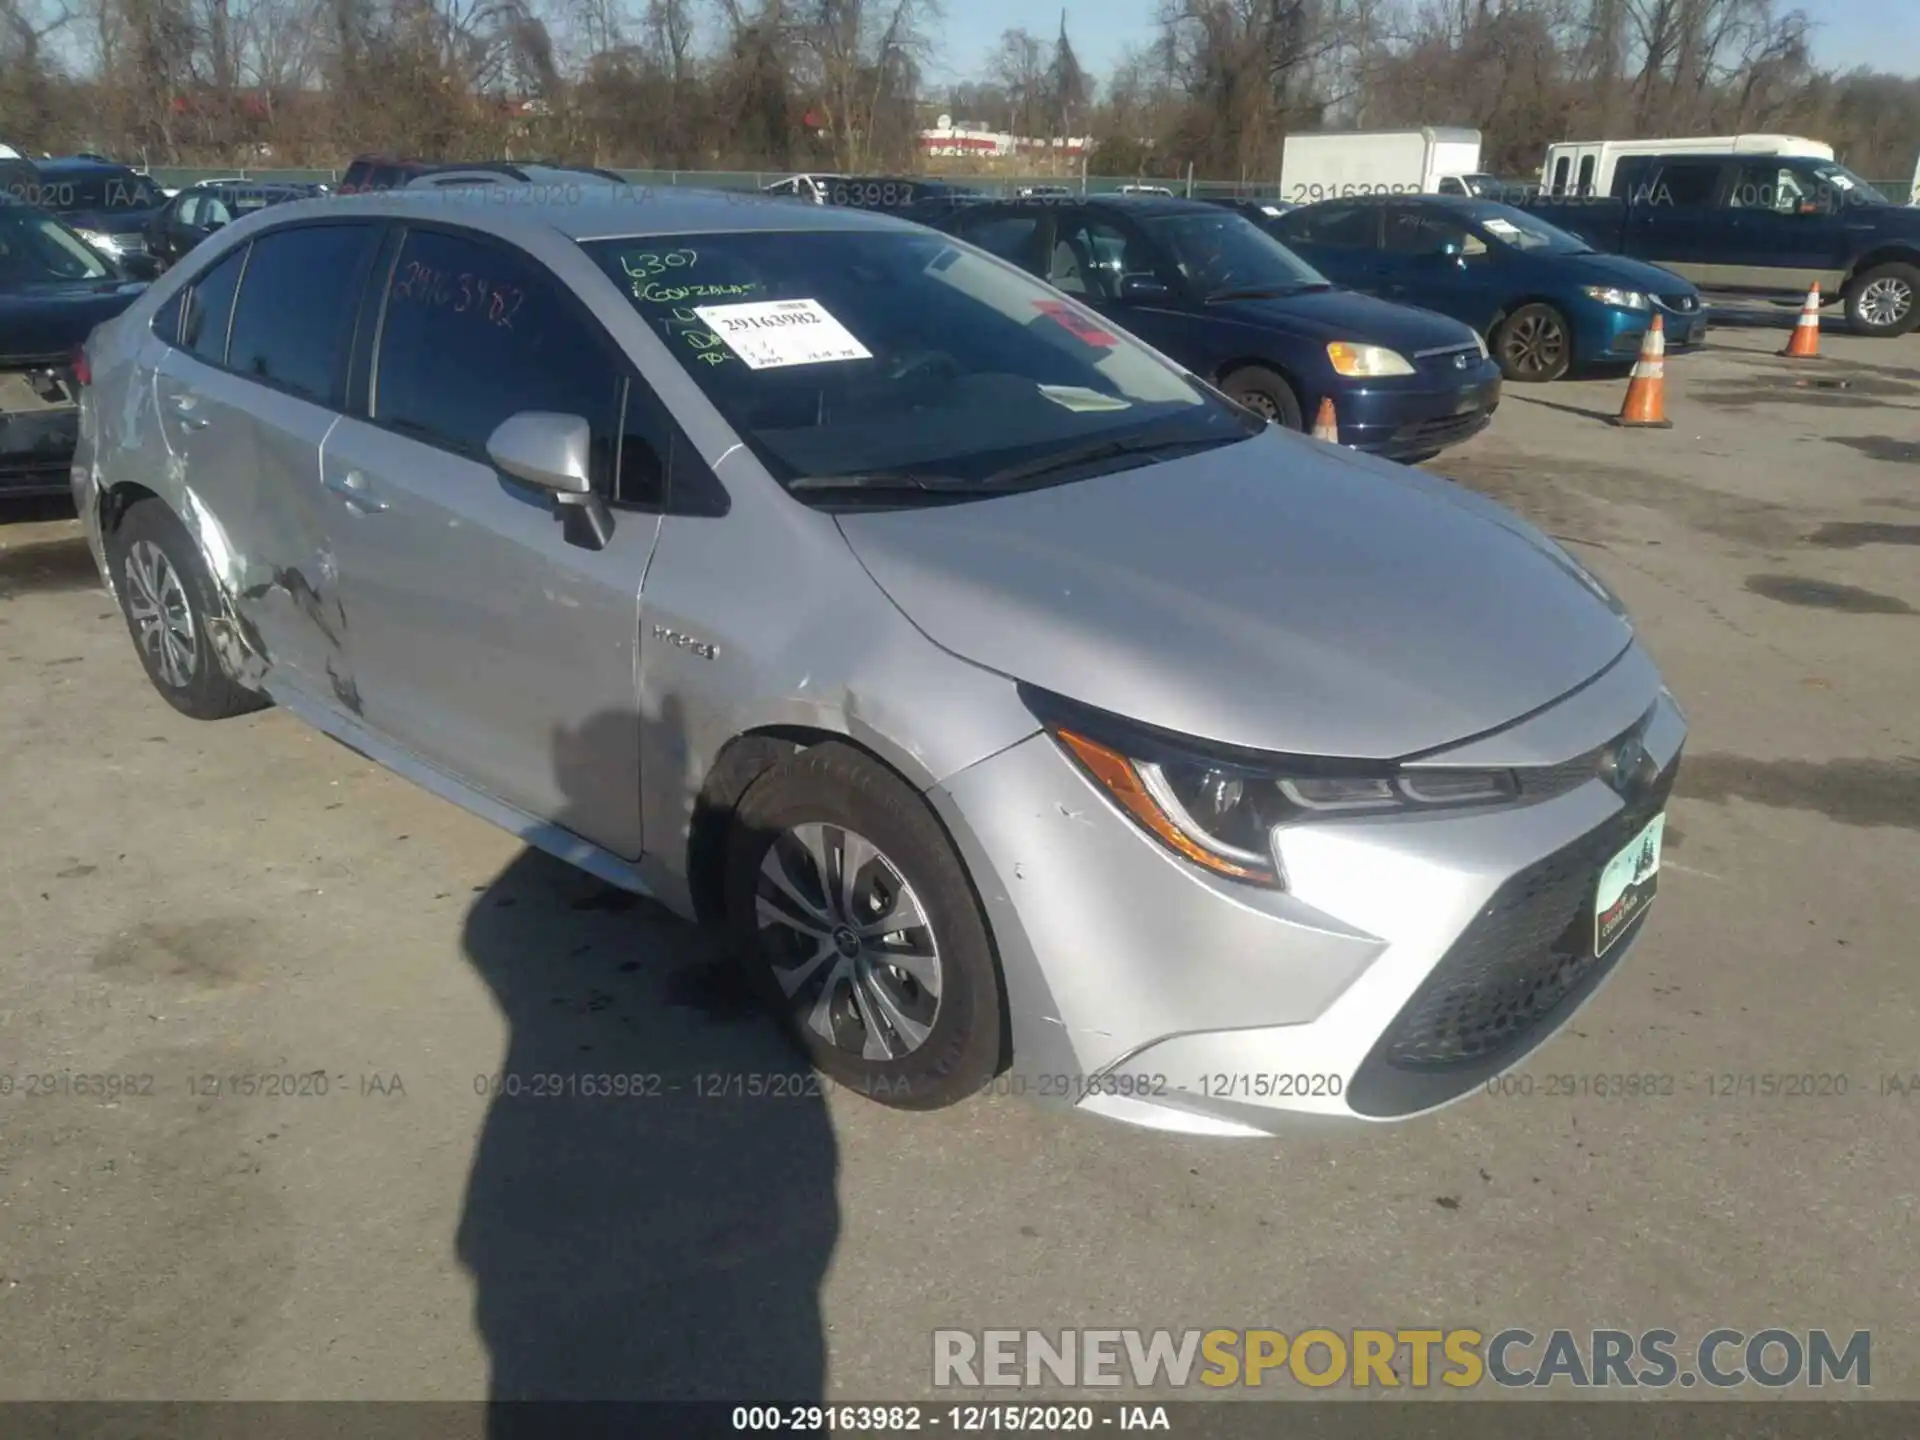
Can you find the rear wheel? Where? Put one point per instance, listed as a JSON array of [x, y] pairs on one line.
[[1534, 345], [1265, 392], [167, 597], [1885, 301], [857, 923]]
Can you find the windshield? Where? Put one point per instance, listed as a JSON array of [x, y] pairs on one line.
[[36, 250], [898, 353], [1220, 253], [1851, 189], [97, 190], [1504, 225]]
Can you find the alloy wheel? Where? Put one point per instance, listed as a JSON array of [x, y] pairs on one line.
[[157, 603], [848, 941], [1535, 345], [1886, 302]]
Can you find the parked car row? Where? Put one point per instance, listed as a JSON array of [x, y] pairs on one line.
[[1013, 698]]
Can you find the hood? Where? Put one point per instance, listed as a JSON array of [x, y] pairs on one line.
[[1901, 220], [46, 321], [1618, 270], [1325, 315], [1274, 594]]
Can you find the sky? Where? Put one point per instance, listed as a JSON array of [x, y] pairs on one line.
[[1881, 33]]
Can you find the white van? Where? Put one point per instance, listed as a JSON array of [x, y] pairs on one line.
[[1338, 164], [1585, 167]]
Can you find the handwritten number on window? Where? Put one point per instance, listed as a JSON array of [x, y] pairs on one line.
[[466, 293]]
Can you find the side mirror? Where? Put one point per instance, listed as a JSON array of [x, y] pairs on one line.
[[551, 451], [141, 267], [1137, 289]]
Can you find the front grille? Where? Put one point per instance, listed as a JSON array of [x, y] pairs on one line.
[[1522, 962], [1442, 429], [1447, 358]]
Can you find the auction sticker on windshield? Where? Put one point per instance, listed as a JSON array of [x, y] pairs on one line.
[[1627, 885], [768, 334]]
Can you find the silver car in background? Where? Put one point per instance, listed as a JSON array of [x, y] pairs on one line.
[[1023, 707]]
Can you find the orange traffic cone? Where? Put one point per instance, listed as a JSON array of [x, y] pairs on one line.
[[1325, 426], [1646, 407], [1805, 344]]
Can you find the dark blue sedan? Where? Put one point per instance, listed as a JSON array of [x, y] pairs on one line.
[[1545, 300], [1214, 292]]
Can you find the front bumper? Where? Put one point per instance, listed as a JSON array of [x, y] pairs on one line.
[[1399, 424], [1620, 333], [1409, 961], [38, 429]]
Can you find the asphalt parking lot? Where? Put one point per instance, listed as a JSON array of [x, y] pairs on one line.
[[188, 904]]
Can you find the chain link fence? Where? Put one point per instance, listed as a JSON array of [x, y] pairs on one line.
[[1898, 191], [175, 176]]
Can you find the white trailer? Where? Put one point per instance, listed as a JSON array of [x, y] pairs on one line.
[[1375, 162], [1585, 167]]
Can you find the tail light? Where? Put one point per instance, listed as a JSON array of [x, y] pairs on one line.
[[82, 368]]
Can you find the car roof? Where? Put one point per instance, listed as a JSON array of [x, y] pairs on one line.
[[597, 212], [74, 164]]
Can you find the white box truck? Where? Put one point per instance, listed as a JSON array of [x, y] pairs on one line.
[[1378, 162], [1585, 167]]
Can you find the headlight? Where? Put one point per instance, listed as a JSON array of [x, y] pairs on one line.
[[106, 244], [1372, 362], [1619, 299], [1222, 813]]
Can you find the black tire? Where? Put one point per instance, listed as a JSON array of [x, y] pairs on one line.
[[1885, 301], [1265, 392], [836, 787], [206, 692], [1534, 345]]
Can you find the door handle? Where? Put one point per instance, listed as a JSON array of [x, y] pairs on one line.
[[185, 407], [351, 486]]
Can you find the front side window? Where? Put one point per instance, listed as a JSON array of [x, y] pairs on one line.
[[473, 333], [1223, 253], [1415, 232], [294, 318], [209, 309], [36, 250], [1519, 230], [900, 358]]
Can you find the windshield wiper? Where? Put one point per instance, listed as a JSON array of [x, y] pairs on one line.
[[1089, 454], [881, 481], [1265, 292]]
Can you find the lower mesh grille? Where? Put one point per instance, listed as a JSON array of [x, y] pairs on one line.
[[1508, 975]]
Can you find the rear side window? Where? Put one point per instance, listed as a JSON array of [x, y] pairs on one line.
[[1346, 227], [1561, 168], [474, 333], [294, 318], [1688, 183], [1014, 238], [209, 308]]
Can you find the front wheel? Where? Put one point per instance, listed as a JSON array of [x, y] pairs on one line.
[[1266, 393], [1534, 345], [1885, 301], [857, 923]]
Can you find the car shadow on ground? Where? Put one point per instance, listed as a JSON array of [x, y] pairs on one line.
[[652, 1202]]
